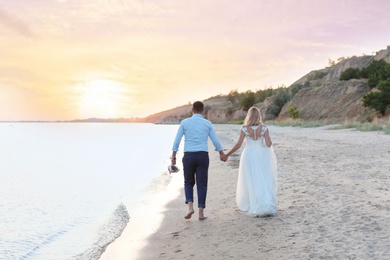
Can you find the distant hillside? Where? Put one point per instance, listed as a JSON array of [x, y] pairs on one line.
[[333, 101], [328, 98], [318, 95], [317, 77], [216, 110]]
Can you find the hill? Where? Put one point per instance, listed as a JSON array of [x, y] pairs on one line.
[[318, 95], [328, 98], [216, 110]]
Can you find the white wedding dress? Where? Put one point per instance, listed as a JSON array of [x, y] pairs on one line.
[[257, 177]]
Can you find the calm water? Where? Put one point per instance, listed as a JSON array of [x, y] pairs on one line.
[[63, 186]]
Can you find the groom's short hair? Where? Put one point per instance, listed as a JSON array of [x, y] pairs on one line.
[[198, 107]]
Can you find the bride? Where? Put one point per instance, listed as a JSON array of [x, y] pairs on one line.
[[257, 176]]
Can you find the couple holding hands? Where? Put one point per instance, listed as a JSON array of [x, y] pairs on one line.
[[256, 185]]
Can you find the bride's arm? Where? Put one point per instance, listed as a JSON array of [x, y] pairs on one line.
[[237, 145], [267, 138]]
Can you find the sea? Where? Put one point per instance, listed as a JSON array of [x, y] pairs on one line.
[[67, 190]]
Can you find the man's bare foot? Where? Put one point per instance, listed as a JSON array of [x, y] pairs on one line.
[[201, 214], [189, 214]]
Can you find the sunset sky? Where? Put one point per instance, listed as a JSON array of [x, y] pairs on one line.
[[73, 59]]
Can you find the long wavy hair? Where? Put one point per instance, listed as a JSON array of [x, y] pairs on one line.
[[253, 117]]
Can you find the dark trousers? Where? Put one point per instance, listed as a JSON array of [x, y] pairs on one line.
[[195, 167]]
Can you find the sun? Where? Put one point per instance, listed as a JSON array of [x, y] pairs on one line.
[[100, 98]]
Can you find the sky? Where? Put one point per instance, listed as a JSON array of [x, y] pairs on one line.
[[73, 59]]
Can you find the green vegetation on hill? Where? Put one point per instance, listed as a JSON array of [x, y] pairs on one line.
[[245, 100], [378, 75]]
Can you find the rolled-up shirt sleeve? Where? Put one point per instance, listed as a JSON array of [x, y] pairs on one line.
[[178, 138], [214, 138]]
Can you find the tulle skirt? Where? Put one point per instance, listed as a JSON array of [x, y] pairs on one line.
[[257, 181]]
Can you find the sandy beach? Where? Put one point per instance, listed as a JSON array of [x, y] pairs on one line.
[[333, 203]]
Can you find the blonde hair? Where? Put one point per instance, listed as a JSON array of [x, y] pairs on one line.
[[253, 117]]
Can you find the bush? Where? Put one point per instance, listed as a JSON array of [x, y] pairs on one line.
[[272, 112], [279, 100], [294, 89], [293, 112], [229, 110], [350, 73], [378, 100], [316, 75], [282, 97]]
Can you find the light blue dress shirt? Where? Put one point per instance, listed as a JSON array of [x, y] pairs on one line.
[[196, 131]]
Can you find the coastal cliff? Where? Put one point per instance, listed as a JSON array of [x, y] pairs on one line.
[[333, 101], [319, 95]]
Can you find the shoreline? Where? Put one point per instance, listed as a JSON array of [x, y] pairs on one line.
[[145, 218], [332, 203]]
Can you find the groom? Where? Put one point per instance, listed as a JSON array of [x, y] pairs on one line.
[[196, 131]]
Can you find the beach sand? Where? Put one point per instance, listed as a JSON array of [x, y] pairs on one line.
[[333, 203]]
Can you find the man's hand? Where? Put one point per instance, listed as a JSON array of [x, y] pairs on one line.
[[173, 160], [222, 156]]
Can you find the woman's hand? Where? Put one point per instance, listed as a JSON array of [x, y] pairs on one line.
[[223, 157]]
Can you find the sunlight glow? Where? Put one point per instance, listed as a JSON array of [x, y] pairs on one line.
[[100, 99]]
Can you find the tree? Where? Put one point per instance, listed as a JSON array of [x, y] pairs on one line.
[[282, 97], [375, 72], [233, 97], [380, 99], [340, 59], [247, 100], [272, 112], [261, 95]]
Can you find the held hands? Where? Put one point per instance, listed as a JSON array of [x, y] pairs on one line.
[[223, 157]]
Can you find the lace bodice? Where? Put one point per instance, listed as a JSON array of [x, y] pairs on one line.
[[255, 138]]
